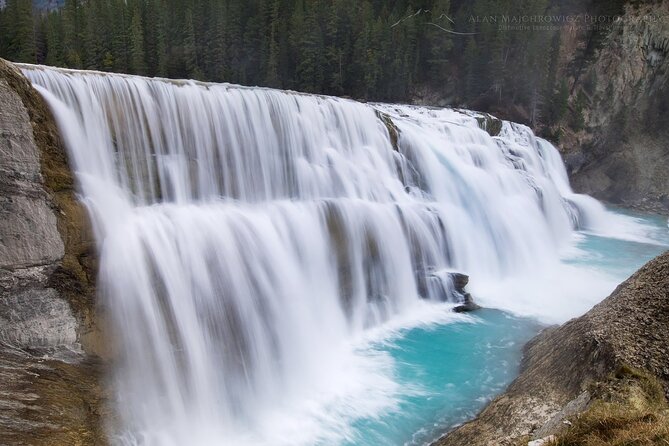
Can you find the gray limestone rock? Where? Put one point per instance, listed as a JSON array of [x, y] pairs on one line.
[[31, 313]]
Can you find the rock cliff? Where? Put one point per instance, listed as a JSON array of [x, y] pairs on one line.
[[619, 150], [49, 391], [562, 366]]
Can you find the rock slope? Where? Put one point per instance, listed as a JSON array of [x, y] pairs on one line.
[[628, 329]]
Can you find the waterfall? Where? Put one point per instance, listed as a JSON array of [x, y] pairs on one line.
[[245, 234]]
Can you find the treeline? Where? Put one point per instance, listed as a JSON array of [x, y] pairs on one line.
[[368, 49]]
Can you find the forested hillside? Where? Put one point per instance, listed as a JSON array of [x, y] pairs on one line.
[[483, 54]]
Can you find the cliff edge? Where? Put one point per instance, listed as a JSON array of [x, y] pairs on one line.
[[565, 369]]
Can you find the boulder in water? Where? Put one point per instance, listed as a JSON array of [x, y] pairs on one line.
[[460, 281], [468, 305]]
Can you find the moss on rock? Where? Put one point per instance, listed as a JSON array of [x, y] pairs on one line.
[[629, 408]]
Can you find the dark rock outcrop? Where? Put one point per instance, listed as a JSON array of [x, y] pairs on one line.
[[49, 392], [468, 305], [459, 282], [393, 131], [490, 124], [628, 329]]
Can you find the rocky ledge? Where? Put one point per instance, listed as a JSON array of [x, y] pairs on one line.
[[597, 378]]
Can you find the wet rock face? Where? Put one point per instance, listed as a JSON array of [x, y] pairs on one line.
[[47, 402], [31, 313], [49, 387], [37, 317], [28, 234]]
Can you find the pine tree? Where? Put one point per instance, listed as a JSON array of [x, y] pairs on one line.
[[96, 36], [54, 40], [410, 36], [338, 35], [191, 64], [254, 43], [161, 43], [73, 27], [365, 55], [233, 38], [40, 41], [440, 40], [310, 62], [120, 25], [471, 67], [272, 70], [151, 30], [217, 51], [137, 55], [20, 31]]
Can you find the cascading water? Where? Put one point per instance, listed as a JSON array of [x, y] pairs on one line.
[[246, 234]]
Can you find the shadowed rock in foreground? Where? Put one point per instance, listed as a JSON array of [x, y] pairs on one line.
[[562, 365]]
